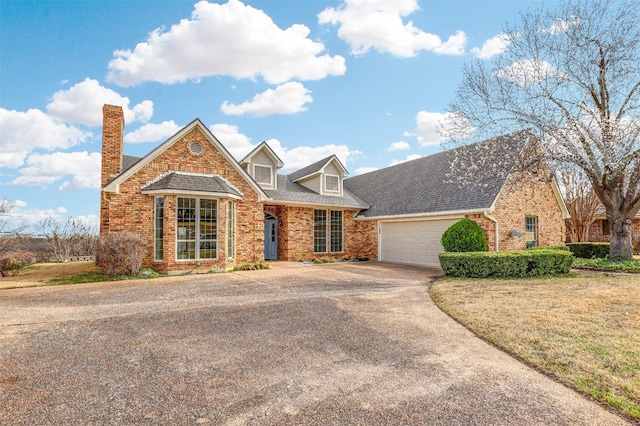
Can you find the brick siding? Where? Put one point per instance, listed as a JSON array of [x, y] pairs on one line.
[[295, 234], [133, 211], [514, 204]]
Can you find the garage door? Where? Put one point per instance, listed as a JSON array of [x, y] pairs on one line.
[[415, 242]]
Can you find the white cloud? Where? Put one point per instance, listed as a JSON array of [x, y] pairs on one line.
[[409, 158], [152, 132], [432, 127], [527, 72], [225, 39], [22, 132], [236, 143], [296, 158], [363, 170], [20, 204], [561, 25], [398, 146], [366, 24], [82, 103], [45, 169], [492, 47], [288, 98]]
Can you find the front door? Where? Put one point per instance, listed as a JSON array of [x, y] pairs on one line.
[[270, 238]]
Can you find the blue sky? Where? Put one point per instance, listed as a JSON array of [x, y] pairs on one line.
[[366, 80]]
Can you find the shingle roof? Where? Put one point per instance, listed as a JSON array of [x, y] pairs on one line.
[[291, 192], [192, 182], [426, 185], [128, 161], [310, 169]]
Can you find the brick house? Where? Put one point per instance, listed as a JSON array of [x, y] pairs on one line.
[[200, 209], [599, 230]]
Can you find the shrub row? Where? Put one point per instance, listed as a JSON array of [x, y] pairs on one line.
[[589, 250], [513, 264], [12, 262], [565, 248]]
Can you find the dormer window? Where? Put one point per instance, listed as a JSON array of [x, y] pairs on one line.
[[332, 183], [262, 174]]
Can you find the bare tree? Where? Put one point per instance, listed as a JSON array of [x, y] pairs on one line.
[[69, 238], [572, 76], [582, 202], [9, 232]]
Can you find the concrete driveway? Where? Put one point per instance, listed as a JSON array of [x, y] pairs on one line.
[[355, 343]]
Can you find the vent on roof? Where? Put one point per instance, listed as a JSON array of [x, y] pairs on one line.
[[196, 148]]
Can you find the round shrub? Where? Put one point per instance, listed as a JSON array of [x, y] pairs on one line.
[[464, 236]]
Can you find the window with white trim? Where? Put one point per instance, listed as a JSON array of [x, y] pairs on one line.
[[158, 229], [262, 174], [336, 231], [531, 231], [332, 183], [230, 227], [319, 231], [197, 229]]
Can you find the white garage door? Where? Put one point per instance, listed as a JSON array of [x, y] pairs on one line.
[[415, 242]]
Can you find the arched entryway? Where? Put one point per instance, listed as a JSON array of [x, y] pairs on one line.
[[270, 236]]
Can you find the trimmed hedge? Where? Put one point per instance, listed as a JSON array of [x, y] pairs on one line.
[[510, 264], [564, 248], [590, 250], [464, 236]]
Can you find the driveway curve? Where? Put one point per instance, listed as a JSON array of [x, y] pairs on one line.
[[352, 343]]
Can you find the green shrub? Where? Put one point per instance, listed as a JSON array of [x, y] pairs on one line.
[[564, 248], [464, 236], [511, 264], [589, 250]]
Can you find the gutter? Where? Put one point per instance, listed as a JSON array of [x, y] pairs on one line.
[[497, 236]]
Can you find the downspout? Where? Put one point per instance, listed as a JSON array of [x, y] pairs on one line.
[[497, 236]]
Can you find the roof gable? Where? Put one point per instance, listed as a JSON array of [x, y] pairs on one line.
[[426, 185], [113, 185], [264, 147], [316, 168]]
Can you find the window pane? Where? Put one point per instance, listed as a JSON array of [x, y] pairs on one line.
[[159, 229], [262, 174], [320, 231], [531, 231], [208, 229], [336, 231], [332, 183], [230, 228], [186, 229]]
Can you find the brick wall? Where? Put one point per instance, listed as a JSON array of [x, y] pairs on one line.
[[295, 234], [596, 232], [132, 210], [515, 202]]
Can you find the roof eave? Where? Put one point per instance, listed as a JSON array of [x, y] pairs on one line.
[[190, 192], [429, 215]]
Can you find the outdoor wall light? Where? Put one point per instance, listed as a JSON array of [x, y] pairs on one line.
[[516, 233]]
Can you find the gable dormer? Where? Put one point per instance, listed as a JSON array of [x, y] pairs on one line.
[[323, 177], [263, 165]]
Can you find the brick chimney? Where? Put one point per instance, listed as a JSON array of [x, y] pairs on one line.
[[112, 137]]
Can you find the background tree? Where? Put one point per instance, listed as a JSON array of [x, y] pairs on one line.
[[572, 76], [70, 238], [9, 231], [582, 202]]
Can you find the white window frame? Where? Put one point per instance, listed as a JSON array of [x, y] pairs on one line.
[[326, 230], [336, 191], [197, 230], [158, 241], [255, 176], [330, 231], [231, 225], [533, 242]]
